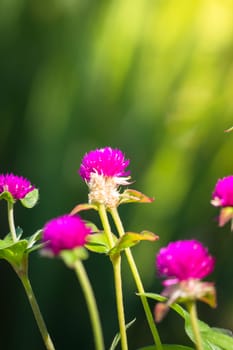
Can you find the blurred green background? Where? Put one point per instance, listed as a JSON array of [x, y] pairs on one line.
[[151, 77]]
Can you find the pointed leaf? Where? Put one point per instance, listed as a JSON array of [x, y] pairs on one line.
[[34, 238], [92, 226], [71, 256], [83, 206], [131, 238], [14, 252], [133, 196], [30, 200], [117, 337], [98, 243]]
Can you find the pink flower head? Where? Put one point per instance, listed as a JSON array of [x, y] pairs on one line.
[[184, 260], [107, 162], [18, 186], [223, 192], [65, 232]]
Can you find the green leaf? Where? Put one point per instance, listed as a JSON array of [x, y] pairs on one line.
[[92, 226], [71, 256], [32, 240], [130, 239], [30, 200], [83, 206], [98, 243], [117, 337], [133, 196], [13, 252], [7, 196], [213, 338], [168, 347]]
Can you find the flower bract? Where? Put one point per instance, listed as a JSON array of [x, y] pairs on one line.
[[17, 186], [64, 233]]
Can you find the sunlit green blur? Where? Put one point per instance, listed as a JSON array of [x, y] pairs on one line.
[[151, 77]]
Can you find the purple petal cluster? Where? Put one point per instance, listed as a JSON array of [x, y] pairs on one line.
[[65, 232], [106, 161], [222, 195], [18, 186], [184, 260]]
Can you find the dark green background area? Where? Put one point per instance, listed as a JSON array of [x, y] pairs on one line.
[[153, 78]]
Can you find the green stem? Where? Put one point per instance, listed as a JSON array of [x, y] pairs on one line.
[[116, 262], [35, 308], [105, 223], [91, 304], [192, 309], [137, 279], [119, 300], [10, 210]]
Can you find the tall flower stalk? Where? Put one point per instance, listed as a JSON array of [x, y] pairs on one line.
[[137, 279], [116, 263], [192, 309], [104, 171], [23, 276], [91, 304]]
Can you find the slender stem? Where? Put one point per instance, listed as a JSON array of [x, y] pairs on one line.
[[116, 262], [138, 282], [91, 304], [105, 223], [36, 310], [191, 306], [119, 300], [10, 210]]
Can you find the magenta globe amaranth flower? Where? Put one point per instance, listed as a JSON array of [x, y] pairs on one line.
[[64, 232], [184, 260], [183, 265], [17, 186], [104, 170], [106, 161], [222, 196]]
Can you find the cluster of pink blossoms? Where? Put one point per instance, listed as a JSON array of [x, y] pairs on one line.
[[18, 186], [104, 170]]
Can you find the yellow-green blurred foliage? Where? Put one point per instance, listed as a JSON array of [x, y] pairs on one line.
[[151, 77]]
